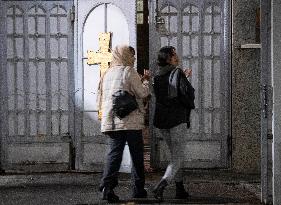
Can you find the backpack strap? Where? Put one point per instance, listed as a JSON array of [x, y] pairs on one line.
[[173, 83]]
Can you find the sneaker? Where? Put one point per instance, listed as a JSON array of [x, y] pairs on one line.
[[159, 189], [180, 191]]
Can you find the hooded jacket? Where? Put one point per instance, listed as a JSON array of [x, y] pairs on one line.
[[121, 76]]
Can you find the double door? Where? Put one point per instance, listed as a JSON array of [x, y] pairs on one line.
[[48, 91]]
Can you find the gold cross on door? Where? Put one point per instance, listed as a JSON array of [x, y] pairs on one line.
[[103, 56]]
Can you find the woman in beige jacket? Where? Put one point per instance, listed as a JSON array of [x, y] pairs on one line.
[[122, 76]]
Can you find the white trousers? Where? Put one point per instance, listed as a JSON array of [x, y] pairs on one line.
[[174, 139]]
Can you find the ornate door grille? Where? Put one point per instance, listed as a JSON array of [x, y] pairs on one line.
[[199, 30], [37, 85]]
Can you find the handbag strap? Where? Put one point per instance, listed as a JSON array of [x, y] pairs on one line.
[[122, 85], [123, 79]]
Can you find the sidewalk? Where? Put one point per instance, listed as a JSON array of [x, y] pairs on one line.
[[82, 189]]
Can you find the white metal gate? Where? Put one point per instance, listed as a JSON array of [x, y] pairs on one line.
[[200, 31], [94, 17], [37, 121], [49, 115]]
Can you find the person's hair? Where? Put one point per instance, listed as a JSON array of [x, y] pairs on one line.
[[132, 50], [122, 55], [165, 54]]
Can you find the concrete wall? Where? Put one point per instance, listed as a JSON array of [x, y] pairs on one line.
[[245, 89]]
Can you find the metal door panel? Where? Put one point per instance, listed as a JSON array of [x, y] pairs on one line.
[[201, 37], [37, 90], [91, 144]]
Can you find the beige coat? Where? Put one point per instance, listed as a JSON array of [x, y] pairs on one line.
[[132, 83]]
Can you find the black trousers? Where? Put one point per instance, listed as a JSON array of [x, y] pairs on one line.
[[118, 140]]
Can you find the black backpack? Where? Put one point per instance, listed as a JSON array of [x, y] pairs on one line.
[[186, 95]]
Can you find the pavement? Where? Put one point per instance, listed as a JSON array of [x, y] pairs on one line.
[[76, 188]]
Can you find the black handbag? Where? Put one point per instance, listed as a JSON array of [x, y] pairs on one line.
[[123, 102]]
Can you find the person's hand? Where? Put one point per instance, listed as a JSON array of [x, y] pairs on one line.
[[188, 72], [146, 75]]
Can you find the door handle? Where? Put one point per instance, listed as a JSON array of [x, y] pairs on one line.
[[265, 101]]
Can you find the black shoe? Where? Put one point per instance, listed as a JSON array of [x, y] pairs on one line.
[[140, 194], [159, 189], [109, 195], [180, 191]]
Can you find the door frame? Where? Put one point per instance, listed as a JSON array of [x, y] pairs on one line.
[[266, 102], [2, 80]]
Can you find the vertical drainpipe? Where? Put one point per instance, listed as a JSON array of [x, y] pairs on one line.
[[276, 83]]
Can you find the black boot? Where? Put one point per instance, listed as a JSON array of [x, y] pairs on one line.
[[140, 194], [180, 191], [159, 189], [109, 195]]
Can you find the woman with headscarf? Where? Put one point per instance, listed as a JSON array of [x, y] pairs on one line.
[[174, 101], [122, 76]]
